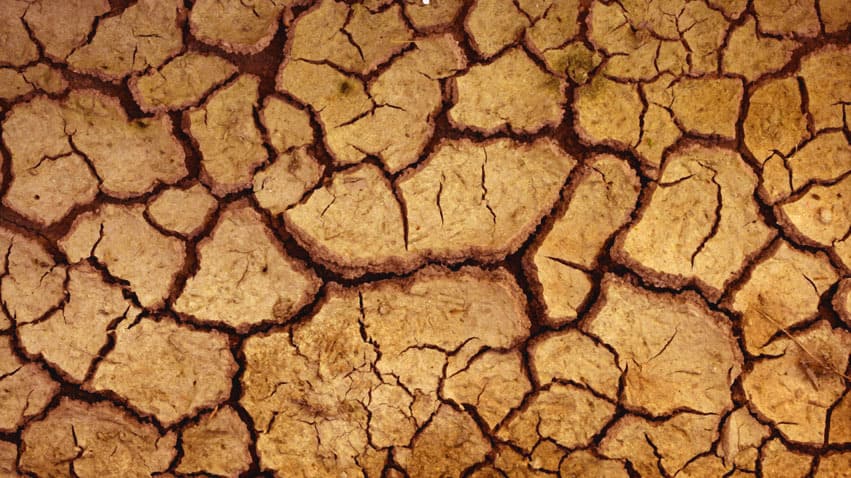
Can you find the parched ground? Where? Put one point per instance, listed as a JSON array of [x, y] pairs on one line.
[[396, 238]]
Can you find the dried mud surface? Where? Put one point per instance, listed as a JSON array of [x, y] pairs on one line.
[[478, 238]]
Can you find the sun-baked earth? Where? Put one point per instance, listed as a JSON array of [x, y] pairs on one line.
[[410, 238]]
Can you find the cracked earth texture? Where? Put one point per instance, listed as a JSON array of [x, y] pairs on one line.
[[479, 238]]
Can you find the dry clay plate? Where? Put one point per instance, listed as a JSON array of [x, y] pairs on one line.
[[425, 238]]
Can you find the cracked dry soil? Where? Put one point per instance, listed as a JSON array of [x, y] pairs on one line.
[[479, 238]]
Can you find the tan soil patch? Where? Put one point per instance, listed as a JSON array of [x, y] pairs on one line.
[[25, 388], [676, 440], [244, 277], [224, 129], [96, 440], [601, 202], [608, 113], [193, 369], [31, 283], [657, 380], [183, 211], [511, 92], [149, 266], [325, 379], [795, 389], [706, 196], [71, 338], [782, 291], [144, 35], [426, 238], [217, 444], [181, 82], [240, 27]]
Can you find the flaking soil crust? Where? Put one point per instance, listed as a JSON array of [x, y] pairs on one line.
[[384, 238]]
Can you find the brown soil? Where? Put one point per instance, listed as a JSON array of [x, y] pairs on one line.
[[397, 238]]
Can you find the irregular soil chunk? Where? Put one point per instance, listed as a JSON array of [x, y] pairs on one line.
[[448, 445], [627, 34], [324, 379], [450, 219], [238, 27], [183, 211], [833, 464], [8, 459], [337, 97], [583, 464], [842, 300], [826, 74], [708, 106], [46, 78], [288, 126], [508, 462], [707, 466], [573, 356], [776, 459], [553, 23], [706, 195], [676, 441], [130, 156], [788, 19], [659, 131], [731, 8], [284, 182], [181, 82], [753, 55], [601, 202], [782, 291], [438, 313], [71, 338], [192, 369], [703, 30], [493, 384], [567, 414], [62, 25], [217, 444], [31, 283], [840, 421], [676, 353], [13, 84], [120, 238], [25, 388], [446, 218], [48, 178], [512, 92], [796, 387], [95, 440], [244, 276], [774, 121], [608, 113], [308, 393], [18, 49], [820, 216], [224, 130], [826, 158], [354, 222], [835, 15], [144, 35], [574, 60], [494, 24], [350, 37], [400, 124], [37, 77], [436, 14], [741, 437]]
